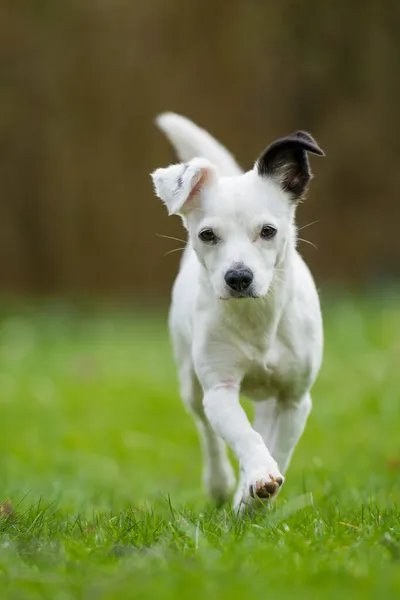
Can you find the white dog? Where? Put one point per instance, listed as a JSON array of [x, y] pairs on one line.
[[245, 316]]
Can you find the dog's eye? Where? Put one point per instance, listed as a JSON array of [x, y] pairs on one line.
[[208, 236], [268, 232]]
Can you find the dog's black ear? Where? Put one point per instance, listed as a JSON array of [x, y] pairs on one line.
[[286, 160]]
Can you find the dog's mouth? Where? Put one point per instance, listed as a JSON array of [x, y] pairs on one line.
[[242, 295]]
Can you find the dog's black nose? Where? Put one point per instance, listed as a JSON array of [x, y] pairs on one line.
[[238, 279]]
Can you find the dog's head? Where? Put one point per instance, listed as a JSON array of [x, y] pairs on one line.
[[240, 226]]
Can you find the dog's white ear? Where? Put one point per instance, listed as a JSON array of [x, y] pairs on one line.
[[286, 161], [180, 186]]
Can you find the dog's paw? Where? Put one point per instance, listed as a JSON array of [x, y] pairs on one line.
[[220, 483], [257, 487]]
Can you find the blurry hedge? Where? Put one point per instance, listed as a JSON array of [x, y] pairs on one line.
[[81, 82]]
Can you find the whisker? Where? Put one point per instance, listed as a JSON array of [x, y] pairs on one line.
[[307, 242], [309, 224], [174, 250], [169, 237]]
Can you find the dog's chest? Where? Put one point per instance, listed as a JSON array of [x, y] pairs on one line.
[[260, 382]]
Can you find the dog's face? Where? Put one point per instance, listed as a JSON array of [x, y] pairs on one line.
[[238, 233], [240, 226]]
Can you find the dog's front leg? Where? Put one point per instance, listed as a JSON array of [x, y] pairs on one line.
[[260, 476]]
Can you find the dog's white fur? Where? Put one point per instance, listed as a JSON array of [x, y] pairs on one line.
[[267, 347]]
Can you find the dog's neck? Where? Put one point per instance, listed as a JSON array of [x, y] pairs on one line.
[[256, 320]]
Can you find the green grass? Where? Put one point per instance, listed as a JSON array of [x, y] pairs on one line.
[[102, 468]]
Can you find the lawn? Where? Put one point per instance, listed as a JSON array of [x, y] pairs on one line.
[[100, 468]]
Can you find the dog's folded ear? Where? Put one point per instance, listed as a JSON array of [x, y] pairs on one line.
[[286, 161], [180, 186]]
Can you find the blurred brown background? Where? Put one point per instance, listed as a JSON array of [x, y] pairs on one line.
[[81, 82]]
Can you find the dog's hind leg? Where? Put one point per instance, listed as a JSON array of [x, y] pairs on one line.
[[281, 424], [265, 414], [218, 476], [289, 422]]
